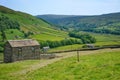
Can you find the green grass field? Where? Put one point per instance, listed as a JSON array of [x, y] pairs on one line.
[[102, 66], [102, 39], [68, 47], [7, 69], [106, 39], [105, 66], [45, 37], [108, 43]]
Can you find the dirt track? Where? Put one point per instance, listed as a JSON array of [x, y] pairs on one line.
[[61, 56]]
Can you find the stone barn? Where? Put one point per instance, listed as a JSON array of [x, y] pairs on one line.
[[15, 50]]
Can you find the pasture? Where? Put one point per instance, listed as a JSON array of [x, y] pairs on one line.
[[45, 37], [104, 37], [105, 66], [94, 65], [102, 40], [68, 47]]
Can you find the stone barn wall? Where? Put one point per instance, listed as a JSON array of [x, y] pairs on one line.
[[7, 53], [24, 53], [14, 52]]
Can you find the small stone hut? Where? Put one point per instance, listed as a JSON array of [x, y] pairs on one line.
[[15, 50], [90, 46]]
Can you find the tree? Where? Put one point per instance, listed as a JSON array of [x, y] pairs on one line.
[[3, 36], [86, 38]]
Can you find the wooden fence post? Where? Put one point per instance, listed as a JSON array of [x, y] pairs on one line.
[[78, 56]]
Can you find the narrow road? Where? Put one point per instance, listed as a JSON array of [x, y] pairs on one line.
[[61, 56]]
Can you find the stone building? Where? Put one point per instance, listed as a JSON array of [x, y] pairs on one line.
[[15, 50], [90, 46]]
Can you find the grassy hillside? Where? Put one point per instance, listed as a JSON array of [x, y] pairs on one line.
[[106, 23], [13, 33], [44, 37], [29, 23], [19, 25], [104, 65]]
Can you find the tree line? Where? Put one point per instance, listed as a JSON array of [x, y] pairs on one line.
[[86, 38], [6, 23], [105, 31], [53, 44], [80, 39]]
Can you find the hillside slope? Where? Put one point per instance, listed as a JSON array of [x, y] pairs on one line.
[[106, 23], [18, 25], [28, 22]]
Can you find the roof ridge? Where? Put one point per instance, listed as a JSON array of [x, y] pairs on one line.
[[25, 42]]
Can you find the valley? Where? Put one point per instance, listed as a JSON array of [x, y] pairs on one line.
[[41, 30], [105, 23], [58, 47]]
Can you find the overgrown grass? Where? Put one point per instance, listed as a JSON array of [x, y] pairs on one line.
[[105, 66]]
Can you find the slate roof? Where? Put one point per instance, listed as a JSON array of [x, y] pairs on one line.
[[21, 43]]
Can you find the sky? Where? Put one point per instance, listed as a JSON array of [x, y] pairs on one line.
[[64, 7]]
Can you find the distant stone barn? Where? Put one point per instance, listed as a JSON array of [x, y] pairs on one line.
[[15, 50]]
